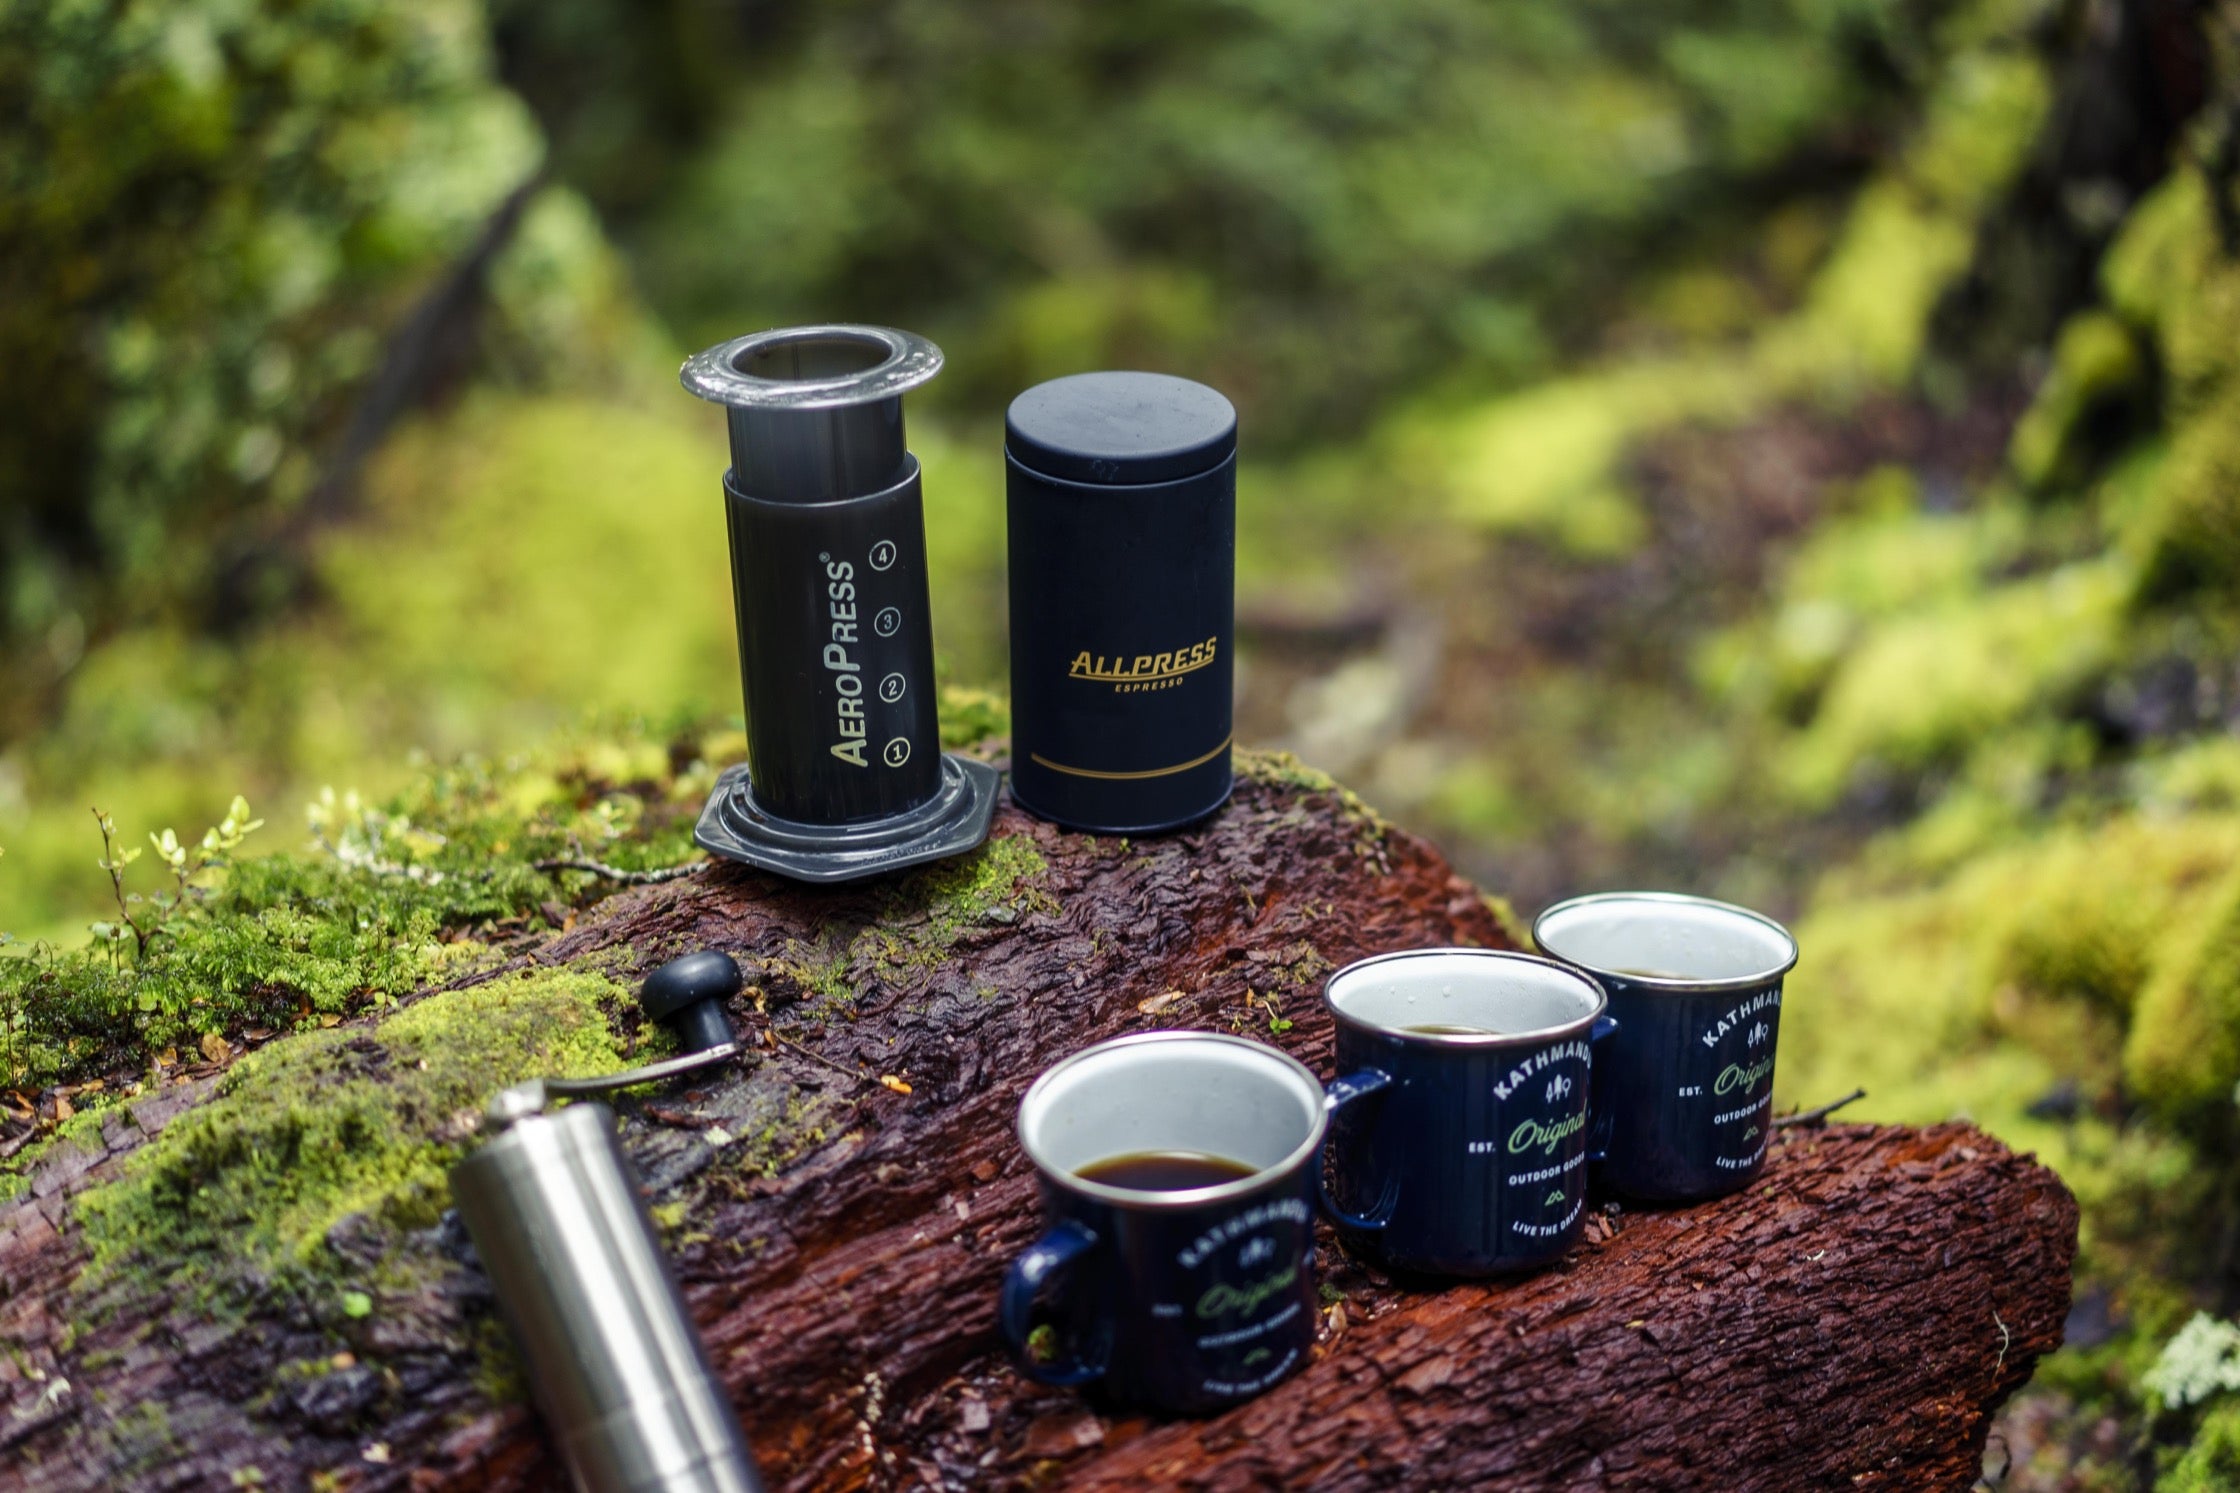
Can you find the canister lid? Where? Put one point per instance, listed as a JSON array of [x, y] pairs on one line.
[[1120, 428]]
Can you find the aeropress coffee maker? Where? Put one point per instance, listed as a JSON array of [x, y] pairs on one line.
[[845, 776]]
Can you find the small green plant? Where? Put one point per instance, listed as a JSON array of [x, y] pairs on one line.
[[114, 861], [188, 867], [368, 839]]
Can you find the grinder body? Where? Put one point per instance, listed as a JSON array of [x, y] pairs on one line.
[[612, 1358]]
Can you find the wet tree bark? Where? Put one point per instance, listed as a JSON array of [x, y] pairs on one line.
[[1849, 1322]]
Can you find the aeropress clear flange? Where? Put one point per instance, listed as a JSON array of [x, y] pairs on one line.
[[845, 776]]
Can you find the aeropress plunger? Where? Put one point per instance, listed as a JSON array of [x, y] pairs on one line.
[[554, 1212], [845, 775]]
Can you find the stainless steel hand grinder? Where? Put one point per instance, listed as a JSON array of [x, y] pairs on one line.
[[554, 1211]]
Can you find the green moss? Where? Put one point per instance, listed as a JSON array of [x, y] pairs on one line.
[[797, 1125], [1282, 770], [2168, 274], [2073, 935], [1906, 973], [956, 893], [2196, 775], [2012, 987], [2191, 531], [2211, 1464], [2095, 361], [1884, 559], [2183, 1055], [1548, 461], [1918, 690], [1865, 320], [458, 599], [921, 918], [386, 903], [971, 716], [329, 1124]]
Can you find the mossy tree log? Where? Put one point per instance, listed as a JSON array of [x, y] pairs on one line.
[[1850, 1321]]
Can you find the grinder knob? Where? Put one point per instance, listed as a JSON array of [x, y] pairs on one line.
[[687, 995]]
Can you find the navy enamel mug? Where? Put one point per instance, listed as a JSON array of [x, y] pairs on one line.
[[1696, 988], [1178, 1177], [1463, 1117]]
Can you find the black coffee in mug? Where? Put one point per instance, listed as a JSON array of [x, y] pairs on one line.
[[1178, 1177], [1696, 988], [1164, 1171]]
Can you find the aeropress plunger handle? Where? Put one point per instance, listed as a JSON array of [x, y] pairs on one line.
[[825, 516], [557, 1217]]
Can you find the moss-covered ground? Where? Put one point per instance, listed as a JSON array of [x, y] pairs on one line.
[[339, 1129]]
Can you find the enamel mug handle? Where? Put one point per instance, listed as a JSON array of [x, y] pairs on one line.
[[1602, 1113], [1352, 1089], [1044, 1258]]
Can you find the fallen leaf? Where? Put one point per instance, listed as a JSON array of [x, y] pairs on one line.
[[973, 1416], [215, 1047], [1157, 1003], [894, 1083], [377, 1454], [62, 1109]]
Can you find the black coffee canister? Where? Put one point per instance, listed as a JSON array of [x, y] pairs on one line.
[[1123, 497]]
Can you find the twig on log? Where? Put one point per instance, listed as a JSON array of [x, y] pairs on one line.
[[1815, 1116], [617, 873], [816, 1057]]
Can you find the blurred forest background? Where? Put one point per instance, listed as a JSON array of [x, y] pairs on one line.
[[1784, 449]]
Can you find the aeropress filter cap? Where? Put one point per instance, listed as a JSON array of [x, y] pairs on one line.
[[845, 776], [1121, 493]]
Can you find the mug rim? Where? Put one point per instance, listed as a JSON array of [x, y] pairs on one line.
[[1146, 1199], [1462, 1040], [1672, 984]]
